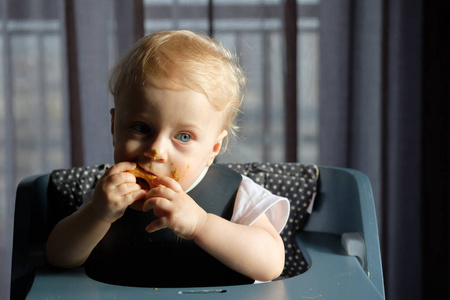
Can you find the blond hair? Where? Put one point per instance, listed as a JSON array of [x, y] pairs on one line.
[[170, 59]]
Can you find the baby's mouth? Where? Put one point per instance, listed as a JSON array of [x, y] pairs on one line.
[[143, 177], [143, 183]]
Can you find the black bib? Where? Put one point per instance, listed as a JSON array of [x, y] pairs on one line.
[[128, 255]]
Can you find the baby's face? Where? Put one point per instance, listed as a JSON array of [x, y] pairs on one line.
[[175, 133]]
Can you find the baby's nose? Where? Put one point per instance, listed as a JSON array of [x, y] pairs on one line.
[[157, 154], [154, 154], [157, 149]]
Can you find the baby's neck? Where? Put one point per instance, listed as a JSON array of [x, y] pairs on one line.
[[198, 180]]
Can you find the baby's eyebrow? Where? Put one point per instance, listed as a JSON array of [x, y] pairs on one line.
[[191, 126]]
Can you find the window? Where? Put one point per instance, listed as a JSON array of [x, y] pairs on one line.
[[33, 132], [254, 29]]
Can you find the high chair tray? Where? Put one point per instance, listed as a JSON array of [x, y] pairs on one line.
[[344, 279]]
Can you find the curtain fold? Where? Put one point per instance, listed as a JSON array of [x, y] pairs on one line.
[[73, 86], [402, 201], [290, 79], [334, 105], [90, 40], [98, 32]]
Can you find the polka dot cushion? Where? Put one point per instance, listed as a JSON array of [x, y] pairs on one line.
[[295, 181], [69, 185], [298, 183]]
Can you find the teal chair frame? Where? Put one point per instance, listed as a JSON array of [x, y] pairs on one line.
[[339, 241]]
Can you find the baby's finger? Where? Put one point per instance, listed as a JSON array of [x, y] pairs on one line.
[[116, 174], [133, 196], [127, 187], [168, 182], [156, 225], [121, 167], [157, 203], [161, 192]]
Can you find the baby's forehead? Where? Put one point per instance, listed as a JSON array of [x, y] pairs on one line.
[[175, 107], [141, 96]]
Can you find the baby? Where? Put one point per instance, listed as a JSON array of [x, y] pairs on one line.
[[176, 96]]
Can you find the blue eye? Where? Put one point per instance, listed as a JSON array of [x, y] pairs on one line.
[[141, 128], [183, 137]]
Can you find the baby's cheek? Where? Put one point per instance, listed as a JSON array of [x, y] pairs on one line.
[[178, 174], [126, 151], [184, 176]]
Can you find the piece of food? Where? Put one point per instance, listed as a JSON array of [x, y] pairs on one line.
[[144, 179]]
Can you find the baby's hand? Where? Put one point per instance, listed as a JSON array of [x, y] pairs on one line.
[[174, 209], [115, 191]]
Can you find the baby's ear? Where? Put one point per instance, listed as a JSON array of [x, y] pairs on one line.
[[217, 146]]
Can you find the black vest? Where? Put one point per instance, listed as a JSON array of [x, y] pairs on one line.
[[128, 255]]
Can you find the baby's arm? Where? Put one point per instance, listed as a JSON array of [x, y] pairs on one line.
[[73, 238], [256, 251]]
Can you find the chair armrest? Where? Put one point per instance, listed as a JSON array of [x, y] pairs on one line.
[[332, 271], [27, 238], [345, 204], [370, 230]]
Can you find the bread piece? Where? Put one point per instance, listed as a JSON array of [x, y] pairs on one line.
[[144, 179]]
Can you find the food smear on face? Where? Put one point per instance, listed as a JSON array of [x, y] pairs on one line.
[[176, 174], [154, 154]]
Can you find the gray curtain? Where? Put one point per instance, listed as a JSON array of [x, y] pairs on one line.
[[371, 120], [385, 111]]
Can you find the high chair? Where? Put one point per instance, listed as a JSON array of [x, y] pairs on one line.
[[331, 239]]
